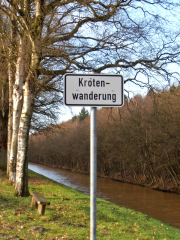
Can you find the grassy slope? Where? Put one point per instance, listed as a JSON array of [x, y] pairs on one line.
[[68, 216]]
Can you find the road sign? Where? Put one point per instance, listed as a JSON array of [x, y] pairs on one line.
[[93, 90]]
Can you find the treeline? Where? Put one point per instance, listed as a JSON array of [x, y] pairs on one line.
[[138, 143]]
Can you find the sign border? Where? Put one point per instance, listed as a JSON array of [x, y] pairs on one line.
[[94, 105]]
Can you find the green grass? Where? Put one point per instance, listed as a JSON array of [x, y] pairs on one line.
[[69, 216]]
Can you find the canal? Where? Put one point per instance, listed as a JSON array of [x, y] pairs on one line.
[[159, 205]]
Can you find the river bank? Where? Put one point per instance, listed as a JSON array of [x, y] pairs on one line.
[[68, 216], [137, 144], [166, 186]]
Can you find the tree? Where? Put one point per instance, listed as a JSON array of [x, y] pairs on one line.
[[74, 118], [55, 37], [3, 110], [83, 114]]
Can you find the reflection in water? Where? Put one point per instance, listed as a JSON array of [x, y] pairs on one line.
[[159, 205]]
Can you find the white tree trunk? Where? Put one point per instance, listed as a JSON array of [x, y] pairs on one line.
[[11, 79], [21, 186], [17, 106], [10, 115]]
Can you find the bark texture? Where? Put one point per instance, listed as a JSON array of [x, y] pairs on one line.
[[3, 140], [11, 79], [21, 186], [10, 115], [17, 105]]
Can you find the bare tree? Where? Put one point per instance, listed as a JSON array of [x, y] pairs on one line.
[[54, 37], [3, 115], [4, 95]]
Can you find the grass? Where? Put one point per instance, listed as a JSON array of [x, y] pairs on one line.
[[68, 216]]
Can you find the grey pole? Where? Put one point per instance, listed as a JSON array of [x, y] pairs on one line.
[[93, 173]]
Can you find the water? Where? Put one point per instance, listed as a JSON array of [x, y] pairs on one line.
[[160, 205]]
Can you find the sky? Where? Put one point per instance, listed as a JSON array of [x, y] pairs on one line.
[[68, 112]]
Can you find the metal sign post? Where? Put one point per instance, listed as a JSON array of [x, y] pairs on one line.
[[93, 173], [93, 90]]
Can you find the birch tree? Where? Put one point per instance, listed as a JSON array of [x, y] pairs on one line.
[[11, 58], [21, 185], [130, 37]]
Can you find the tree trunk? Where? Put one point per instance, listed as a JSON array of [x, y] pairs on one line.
[[21, 186], [10, 115], [17, 106], [11, 79], [3, 136], [3, 124]]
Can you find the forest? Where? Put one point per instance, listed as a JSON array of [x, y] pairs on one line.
[[138, 143]]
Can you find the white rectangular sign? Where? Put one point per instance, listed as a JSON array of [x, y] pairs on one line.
[[93, 90]]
